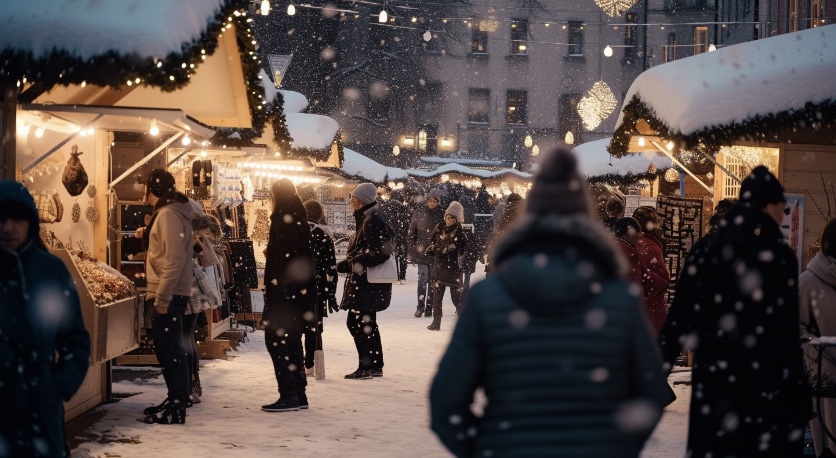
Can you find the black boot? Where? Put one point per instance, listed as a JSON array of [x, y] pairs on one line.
[[419, 312], [436, 324], [157, 408], [282, 405], [359, 374], [428, 312], [174, 413]]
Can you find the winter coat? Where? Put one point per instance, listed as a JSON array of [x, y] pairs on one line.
[[325, 258], [736, 302], [371, 246], [40, 316], [397, 215], [631, 254], [817, 305], [289, 271], [421, 227], [204, 295], [448, 247], [559, 344], [655, 279], [169, 248]]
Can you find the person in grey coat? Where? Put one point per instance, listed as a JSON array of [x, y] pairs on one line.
[[817, 304], [372, 244], [421, 227], [557, 339]]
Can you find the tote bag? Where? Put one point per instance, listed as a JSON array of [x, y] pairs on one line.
[[383, 273]]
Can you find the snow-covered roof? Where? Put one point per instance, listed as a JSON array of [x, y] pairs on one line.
[[458, 160], [310, 130], [294, 102], [594, 160], [86, 29], [459, 168], [355, 164], [733, 86]]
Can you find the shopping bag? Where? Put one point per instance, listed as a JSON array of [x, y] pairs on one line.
[[387, 272]]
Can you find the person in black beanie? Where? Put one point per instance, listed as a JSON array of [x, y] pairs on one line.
[[736, 304], [556, 313]]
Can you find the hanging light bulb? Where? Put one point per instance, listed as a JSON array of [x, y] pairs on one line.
[[396, 150], [641, 141], [154, 129], [291, 10], [39, 132], [186, 140], [569, 139], [428, 36], [383, 16], [608, 51], [670, 146], [528, 141], [265, 7], [90, 131], [203, 153]]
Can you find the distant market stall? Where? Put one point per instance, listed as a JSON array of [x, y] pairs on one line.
[[770, 101]]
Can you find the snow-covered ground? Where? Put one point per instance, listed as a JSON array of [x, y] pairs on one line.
[[382, 417]]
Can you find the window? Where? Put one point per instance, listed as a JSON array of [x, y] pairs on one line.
[[519, 36], [516, 107], [731, 188], [670, 49], [631, 19], [422, 140], [478, 106], [479, 41], [816, 13], [570, 120], [700, 40], [793, 22], [575, 39]]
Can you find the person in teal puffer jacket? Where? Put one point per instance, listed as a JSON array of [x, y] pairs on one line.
[[557, 339]]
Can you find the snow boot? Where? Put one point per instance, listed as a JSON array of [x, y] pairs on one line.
[[419, 312], [436, 324], [377, 372], [303, 401], [282, 405], [174, 413], [359, 374], [157, 408]]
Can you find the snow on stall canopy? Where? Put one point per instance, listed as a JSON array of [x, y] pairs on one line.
[[294, 102], [738, 82], [310, 130], [452, 167], [148, 28], [594, 160], [355, 164]]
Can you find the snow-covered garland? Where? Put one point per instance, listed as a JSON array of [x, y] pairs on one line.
[[756, 128], [319, 154]]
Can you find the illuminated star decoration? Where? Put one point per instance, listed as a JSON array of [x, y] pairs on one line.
[[615, 8], [596, 105]]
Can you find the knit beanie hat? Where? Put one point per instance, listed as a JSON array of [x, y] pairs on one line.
[[435, 193], [314, 211], [456, 210], [623, 225], [558, 187], [160, 182], [760, 188], [366, 193]]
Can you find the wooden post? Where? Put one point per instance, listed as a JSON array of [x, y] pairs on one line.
[[8, 123]]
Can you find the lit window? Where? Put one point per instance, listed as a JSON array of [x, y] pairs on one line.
[[700, 40], [519, 36], [517, 107], [479, 41]]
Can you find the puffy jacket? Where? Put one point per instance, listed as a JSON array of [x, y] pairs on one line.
[[169, 249], [371, 246], [448, 247], [421, 227]]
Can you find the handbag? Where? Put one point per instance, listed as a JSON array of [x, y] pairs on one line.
[[387, 272]]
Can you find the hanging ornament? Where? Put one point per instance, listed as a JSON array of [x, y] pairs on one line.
[[596, 105], [615, 8], [91, 214], [91, 191], [671, 175], [76, 214], [651, 169]]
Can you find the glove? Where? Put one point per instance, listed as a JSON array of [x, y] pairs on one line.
[[332, 305]]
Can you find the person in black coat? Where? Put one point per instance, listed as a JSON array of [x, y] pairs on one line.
[[397, 214], [44, 347], [371, 246], [421, 226], [449, 246], [736, 306], [322, 243], [290, 294]]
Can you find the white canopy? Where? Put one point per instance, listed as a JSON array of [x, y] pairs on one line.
[[355, 164], [594, 160]]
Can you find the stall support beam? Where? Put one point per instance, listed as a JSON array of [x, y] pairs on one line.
[[8, 124], [680, 165], [725, 170], [145, 159]]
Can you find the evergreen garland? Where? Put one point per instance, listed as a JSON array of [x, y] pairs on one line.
[[760, 128], [340, 153], [281, 136]]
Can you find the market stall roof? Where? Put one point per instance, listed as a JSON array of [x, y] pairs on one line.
[[143, 51], [753, 90], [462, 160], [68, 118], [310, 130], [358, 165], [594, 160], [294, 102], [465, 170]]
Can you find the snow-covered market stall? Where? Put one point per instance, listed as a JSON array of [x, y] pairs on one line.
[[717, 115], [90, 107]]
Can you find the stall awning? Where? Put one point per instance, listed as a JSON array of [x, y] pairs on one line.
[[594, 160]]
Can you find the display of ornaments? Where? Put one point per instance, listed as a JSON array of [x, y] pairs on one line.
[[76, 213], [91, 214], [91, 191]]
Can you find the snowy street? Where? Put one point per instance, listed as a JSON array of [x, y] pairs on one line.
[[382, 417]]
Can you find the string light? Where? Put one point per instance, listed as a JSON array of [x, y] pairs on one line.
[[427, 36], [569, 138], [535, 150], [641, 141], [291, 10], [608, 51], [396, 150], [265, 7], [528, 141], [598, 104], [615, 8], [154, 130], [186, 140], [39, 132], [383, 17]]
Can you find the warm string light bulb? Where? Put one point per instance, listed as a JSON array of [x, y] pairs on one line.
[[428, 36], [186, 140], [39, 132], [608, 51], [528, 141], [383, 16], [396, 150], [291, 10], [265, 7], [154, 130]]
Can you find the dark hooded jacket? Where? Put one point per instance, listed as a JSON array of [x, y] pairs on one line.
[[421, 227], [40, 315], [559, 343], [736, 302], [448, 247], [371, 246]]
